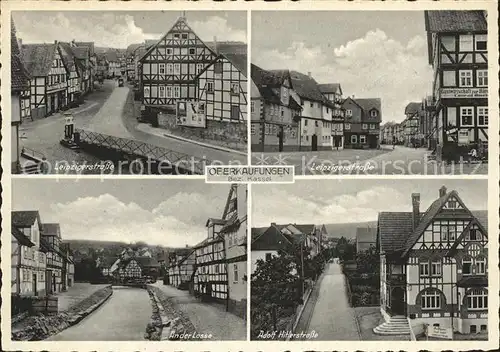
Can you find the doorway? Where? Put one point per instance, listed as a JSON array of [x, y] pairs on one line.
[[398, 301], [314, 142], [35, 288]]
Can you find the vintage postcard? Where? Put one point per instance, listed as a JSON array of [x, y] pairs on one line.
[[134, 92], [247, 176]]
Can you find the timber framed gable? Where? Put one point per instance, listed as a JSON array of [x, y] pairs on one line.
[[170, 67]]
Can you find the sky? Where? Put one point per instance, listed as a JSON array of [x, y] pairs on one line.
[[164, 212], [119, 29], [352, 201], [372, 55]]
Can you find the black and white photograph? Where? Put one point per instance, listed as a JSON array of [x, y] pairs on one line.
[[91, 261], [370, 260], [118, 92], [364, 92]]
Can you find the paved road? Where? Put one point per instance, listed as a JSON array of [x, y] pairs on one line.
[[123, 317], [332, 318], [207, 318], [44, 135], [386, 161], [191, 149]]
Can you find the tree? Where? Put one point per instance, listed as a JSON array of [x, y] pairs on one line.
[[274, 289], [345, 249], [368, 261]]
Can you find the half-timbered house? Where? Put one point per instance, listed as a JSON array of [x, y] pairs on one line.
[[275, 114], [411, 123], [82, 53], [20, 98], [51, 233], [173, 63], [129, 269], [210, 278], [434, 266], [222, 96], [362, 123], [48, 84], [181, 271], [333, 93], [29, 261], [235, 243], [76, 70], [458, 53]]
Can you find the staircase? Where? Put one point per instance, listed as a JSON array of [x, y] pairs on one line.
[[397, 325]]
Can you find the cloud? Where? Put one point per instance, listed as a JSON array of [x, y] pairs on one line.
[[275, 204], [107, 218], [216, 26], [374, 66], [109, 29]]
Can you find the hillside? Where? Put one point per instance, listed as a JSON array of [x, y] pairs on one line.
[[347, 230]]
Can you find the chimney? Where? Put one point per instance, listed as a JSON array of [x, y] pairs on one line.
[[273, 224], [442, 191], [415, 201], [309, 74], [216, 46]]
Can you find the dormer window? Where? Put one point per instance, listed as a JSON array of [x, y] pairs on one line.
[[373, 113]]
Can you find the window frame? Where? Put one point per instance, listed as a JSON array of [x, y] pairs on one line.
[[467, 109], [210, 86], [481, 299], [467, 76], [482, 75], [485, 41], [362, 139], [467, 260], [482, 112], [430, 294]]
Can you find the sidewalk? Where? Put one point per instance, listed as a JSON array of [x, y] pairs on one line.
[[75, 294], [207, 318]]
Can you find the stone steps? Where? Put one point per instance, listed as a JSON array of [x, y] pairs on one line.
[[397, 325]]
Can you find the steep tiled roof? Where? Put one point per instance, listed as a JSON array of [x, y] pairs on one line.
[[269, 82], [270, 239], [413, 108], [305, 228], [370, 103], [306, 87], [326, 88], [228, 47], [239, 61], [481, 216], [21, 237], [38, 58], [366, 234], [394, 229], [19, 76], [81, 52], [455, 21], [24, 218], [396, 232], [107, 262], [89, 45], [257, 231], [51, 230]]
